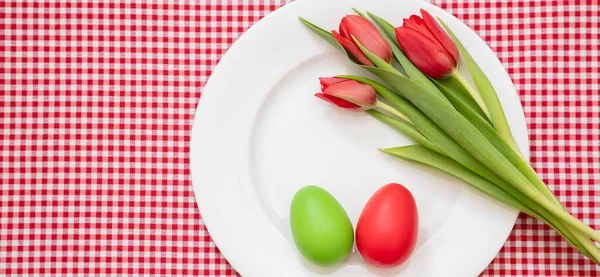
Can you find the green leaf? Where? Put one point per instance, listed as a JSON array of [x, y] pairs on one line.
[[425, 156], [389, 33], [487, 91], [458, 90], [327, 36], [374, 58], [359, 12], [463, 107], [404, 128]]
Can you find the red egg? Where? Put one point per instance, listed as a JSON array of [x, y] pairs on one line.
[[387, 229]]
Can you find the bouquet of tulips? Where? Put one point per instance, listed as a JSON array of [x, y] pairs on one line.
[[459, 129]]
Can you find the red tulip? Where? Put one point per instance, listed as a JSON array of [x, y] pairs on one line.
[[347, 94], [427, 45], [367, 34]]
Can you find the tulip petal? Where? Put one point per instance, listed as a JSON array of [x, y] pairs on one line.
[[417, 19], [368, 35], [343, 30], [354, 92], [425, 53], [408, 23], [351, 47], [337, 101], [420, 28], [440, 35], [325, 81]]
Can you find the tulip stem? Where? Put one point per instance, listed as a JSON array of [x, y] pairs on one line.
[[472, 91], [392, 110]]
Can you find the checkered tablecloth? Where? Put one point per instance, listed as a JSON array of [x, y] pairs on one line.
[[96, 108]]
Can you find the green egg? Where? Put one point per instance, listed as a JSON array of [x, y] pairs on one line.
[[320, 226]]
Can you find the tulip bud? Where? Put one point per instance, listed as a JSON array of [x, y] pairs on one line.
[[427, 46], [367, 34], [347, 94]]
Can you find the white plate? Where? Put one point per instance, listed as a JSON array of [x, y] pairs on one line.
[[259, 135]]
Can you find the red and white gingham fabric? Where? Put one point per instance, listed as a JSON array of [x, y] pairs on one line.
[[97, 101]]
